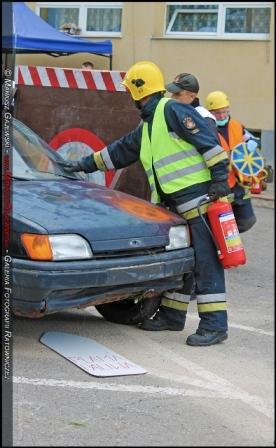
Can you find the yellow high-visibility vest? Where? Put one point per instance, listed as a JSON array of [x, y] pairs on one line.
[[177, 163]]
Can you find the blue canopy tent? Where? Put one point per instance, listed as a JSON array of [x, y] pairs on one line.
[[28, 33]]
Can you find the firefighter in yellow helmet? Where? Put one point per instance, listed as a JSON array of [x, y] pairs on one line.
[[183, 161], [143, 79], [231, 132]]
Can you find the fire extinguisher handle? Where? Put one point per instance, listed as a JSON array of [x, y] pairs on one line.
[[208, 198], [204, 199]]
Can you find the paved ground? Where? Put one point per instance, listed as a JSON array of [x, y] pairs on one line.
[[266, 198], [191, 396]]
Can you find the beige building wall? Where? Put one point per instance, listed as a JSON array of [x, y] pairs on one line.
[[244, 69]]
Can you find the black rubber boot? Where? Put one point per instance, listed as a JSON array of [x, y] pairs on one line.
[[246, 224], [165, 319], [206, 337]]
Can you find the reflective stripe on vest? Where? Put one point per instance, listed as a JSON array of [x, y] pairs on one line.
[[235, 136], [154, 198], [177, 163]]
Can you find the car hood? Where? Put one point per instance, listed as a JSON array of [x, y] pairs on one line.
[[108, 219]]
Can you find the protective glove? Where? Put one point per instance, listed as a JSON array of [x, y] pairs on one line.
[[219, 189], [251, 145], [86, 164], [70, 166]]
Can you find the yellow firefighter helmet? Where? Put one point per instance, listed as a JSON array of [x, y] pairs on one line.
[[143, 79], [217, 100]]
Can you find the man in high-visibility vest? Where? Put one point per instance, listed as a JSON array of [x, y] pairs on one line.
[[231, 132], [185, 88], [183, 161]]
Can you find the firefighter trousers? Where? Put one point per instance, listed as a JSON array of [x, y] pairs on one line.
[[207, 282], [242, 208]]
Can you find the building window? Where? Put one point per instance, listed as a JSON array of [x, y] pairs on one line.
[[219, 20], [57, 17], [192, 18], [104, 19], [247, 20], [87, 19]]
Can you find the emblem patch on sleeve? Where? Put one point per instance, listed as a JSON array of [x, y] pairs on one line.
[[190, 124]]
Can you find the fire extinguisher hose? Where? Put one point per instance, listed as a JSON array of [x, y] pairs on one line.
[[204, 200]]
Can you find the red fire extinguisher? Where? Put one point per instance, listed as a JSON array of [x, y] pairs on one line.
[[257, 188], [225, 233]]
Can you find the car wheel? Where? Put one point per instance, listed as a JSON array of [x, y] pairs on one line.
[[129, 312]]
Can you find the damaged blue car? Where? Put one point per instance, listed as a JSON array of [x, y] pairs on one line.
[[79, 244]]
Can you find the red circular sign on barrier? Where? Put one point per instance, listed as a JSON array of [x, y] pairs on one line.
[[74, 143]]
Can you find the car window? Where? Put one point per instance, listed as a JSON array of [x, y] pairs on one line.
[[32, 158], [20, 167]]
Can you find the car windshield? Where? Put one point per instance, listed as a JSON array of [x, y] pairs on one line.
[[32, 158]]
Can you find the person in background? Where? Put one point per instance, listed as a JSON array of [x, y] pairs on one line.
[[87, 65], [231, 132], [184, 162], [185, 88]]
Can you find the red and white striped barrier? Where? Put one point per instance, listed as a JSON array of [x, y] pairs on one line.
[[69, 78]]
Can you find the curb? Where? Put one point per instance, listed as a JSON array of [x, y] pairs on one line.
[[266, 198], [262, 201]]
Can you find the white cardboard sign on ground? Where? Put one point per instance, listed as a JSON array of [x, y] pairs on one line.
[[89, 355]]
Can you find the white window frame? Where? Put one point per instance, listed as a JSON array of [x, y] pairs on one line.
[[83, 7], [221, 11]]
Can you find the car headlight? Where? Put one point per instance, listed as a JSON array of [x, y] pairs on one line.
[[56, 247], [179, 238]]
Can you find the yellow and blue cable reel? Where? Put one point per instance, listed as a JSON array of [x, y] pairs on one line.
[[248, 163]]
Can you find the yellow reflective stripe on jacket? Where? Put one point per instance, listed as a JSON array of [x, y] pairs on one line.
[[193, 213], [218, 158], [174, 304], [210, 307], [99, 161]]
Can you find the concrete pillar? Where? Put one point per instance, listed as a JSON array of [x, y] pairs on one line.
[[268, 147]]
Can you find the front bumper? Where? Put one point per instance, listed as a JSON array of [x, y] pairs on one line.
[[46, 287]]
